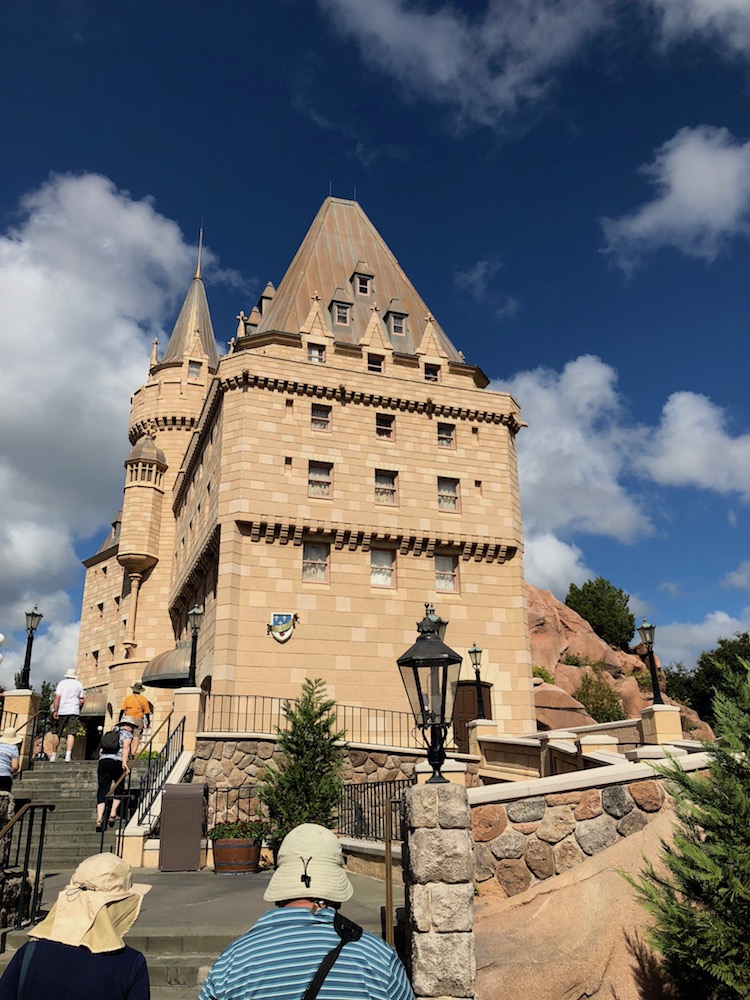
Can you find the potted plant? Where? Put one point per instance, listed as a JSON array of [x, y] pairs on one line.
[[237, 844]]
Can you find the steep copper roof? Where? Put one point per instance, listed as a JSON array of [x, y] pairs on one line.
[[341, 242], [194, 316]]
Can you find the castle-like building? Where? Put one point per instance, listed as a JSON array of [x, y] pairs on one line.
[[309, 491]]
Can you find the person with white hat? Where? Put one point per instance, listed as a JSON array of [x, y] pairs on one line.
[[304, 948], [66, 708], [10, 759], [77, 952]]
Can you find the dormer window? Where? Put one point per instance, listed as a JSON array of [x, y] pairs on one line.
[[341, 312], [375, 363], [316, 354], [398, 324], [194, 369], [431, 373], [341, 307], [363, 284]]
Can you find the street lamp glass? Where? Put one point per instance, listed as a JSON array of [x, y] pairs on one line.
[[194, 618], [440, 624], [32, 620], [646, 632], [430, 671], [475, 655]]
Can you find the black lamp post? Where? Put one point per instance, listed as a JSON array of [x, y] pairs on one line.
[[32, 624], [194, 621], [475, 655], [430, 670], [646, 632]]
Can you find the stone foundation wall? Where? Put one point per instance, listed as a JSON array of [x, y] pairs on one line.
[[519, 843]]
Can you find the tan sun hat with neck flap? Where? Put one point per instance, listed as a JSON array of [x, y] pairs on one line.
[[310, 865]]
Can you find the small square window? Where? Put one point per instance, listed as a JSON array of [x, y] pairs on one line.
[[448, 497], [386, 487], [432, 373], [385, 424], [446, 573], [315, 560], [320, 417], [446, 435], [320, 479], [316, 354], [194, 369], [375, 363], [341, 313], [382, 568], [398, 325], [363, 284]]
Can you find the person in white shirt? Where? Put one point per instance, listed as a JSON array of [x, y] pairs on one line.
[[66, 707]]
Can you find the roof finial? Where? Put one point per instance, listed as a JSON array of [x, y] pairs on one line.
[[200, 254]]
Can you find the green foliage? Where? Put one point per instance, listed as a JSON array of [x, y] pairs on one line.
[[242, 829], [701, 905], [713, 671], [642, 677], [598, 698], [606, 609], [543, 674], [306, 786], [573, 660]]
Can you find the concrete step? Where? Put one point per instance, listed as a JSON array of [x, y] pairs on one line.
[[173, 992], [179, 970]]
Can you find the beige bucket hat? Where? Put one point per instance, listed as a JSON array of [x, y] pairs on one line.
[[9, 735], [96, 908], [310, 865]]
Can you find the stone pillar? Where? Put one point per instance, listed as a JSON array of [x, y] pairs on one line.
[[438, 872], [452, 770], [661, 724], [190, 702], [23, 705]]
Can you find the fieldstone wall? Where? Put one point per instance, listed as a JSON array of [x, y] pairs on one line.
[[440, 891], [520, 843]]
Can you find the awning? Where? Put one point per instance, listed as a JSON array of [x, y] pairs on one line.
[[170, 669], [96, 701]]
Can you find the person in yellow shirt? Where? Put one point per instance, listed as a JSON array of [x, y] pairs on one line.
[[138, 708]]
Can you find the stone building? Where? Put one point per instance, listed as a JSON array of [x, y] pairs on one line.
[[338, 468]]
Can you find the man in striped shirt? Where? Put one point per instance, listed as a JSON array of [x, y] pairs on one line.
[[279, 956]]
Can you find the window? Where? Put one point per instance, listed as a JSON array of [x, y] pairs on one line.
[[316, 354], [341, 313], [446, 434], [386, 490], [432, 373], [194, 369], [362, 283], [375, 363], [315, 558], [446, 573], [398, 324], [320, 479], [448, 498], [382, 568], [320, 417], [384, 425]]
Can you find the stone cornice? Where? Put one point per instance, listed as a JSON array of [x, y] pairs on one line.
[[189, 579], [247, 380], [356, 536], [102, 556], [173, 422]]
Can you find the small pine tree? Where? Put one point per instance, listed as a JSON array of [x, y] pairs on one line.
[[306, 786], [701, 905], [606, 608]]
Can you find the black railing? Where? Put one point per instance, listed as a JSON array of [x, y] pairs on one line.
[[19, 837], [230, 805], [128, 798], [233, 713], [365, 810], [159, 768]]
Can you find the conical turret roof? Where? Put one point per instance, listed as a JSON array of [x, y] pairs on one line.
[[194, 317], [340, 243]]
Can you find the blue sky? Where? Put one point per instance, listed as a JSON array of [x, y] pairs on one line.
[[567, 184]]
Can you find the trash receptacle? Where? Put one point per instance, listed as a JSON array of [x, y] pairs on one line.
[[181, 827]]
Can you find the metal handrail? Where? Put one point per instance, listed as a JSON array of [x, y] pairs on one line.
[[165, 722], [159, 769], [29, 809]]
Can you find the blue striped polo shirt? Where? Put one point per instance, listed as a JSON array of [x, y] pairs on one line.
[[279, 955]]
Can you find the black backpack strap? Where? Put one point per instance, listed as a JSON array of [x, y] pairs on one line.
[[25, 962], [348, 931]]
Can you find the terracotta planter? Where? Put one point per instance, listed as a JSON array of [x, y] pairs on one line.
[[236, 855]]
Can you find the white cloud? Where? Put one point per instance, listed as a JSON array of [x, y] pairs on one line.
[[477, 278], [683, 642], [728, 21], [739, 578], [691, 446], [87, 277], [553, 565], [702, 180], [484, 67], [573, 456]]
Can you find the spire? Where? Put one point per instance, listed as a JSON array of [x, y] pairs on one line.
[[194, 318]]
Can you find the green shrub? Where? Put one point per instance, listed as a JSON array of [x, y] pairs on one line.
[[543, 674], [642, 677], [597, 697], [241, 829], [573, 660]]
